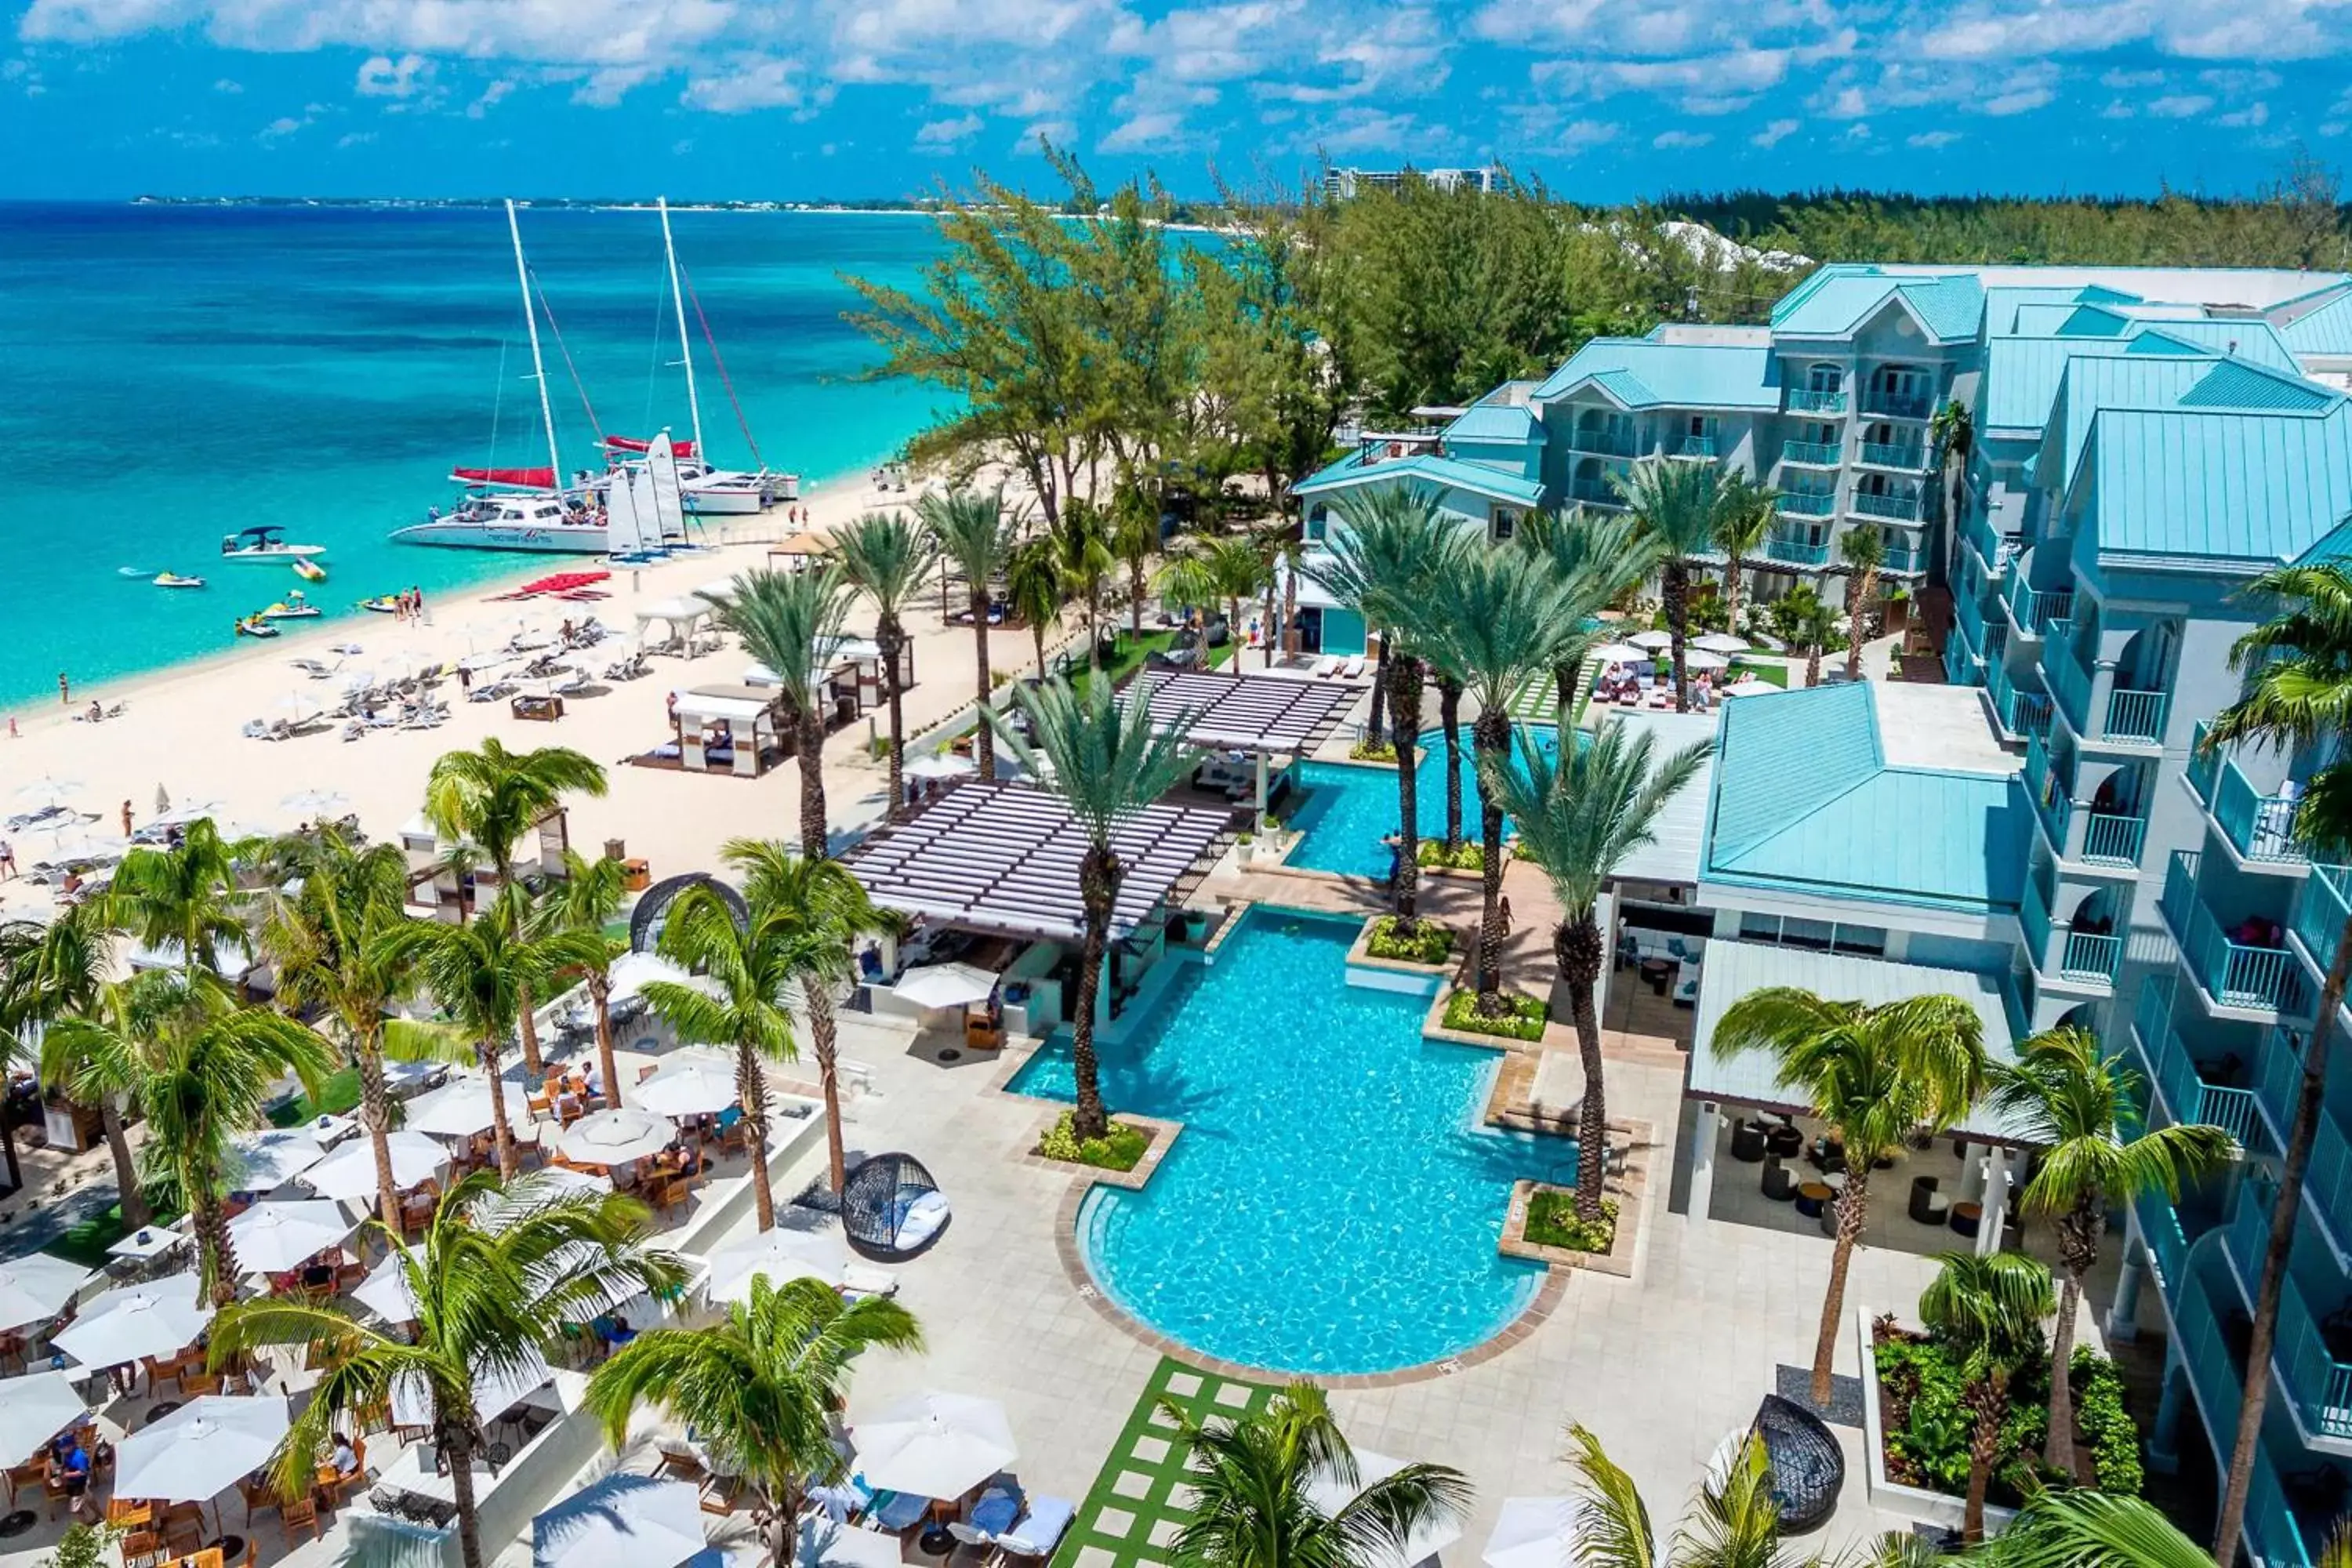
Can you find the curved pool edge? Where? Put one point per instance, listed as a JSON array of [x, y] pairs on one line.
[[1550, 1287]]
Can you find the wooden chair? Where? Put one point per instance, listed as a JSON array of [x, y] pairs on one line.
[[665, 1192], [195, 1387], [721, 1495], [31, 1473], [141, 1545], [678, 1465], [540, 1104], [157, 1371], [257, 1495], [303, 1515], [61, 1490], [183, 1537]]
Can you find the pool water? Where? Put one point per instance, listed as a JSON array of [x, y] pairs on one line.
[[1330, 1207], [1349, 809]]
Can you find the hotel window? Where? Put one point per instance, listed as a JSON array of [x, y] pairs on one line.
[[1505, 523], [1815, 936], [1824, 378], [1318, 517]]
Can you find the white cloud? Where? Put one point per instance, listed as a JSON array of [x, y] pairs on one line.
[[284, 125], [227, 86], [942, 133], [1546, 130], [1359, 128], [2253, 115], [381, 76], [746, 84], [1774, 133], [1932, 141], [2179, 105], [355, 139], [492, 96], [1681, 140], [2121, 79], [1152, 131]]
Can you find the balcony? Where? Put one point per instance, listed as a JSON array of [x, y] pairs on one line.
[[2020, 713], [2053, 798], [2259, 826], [2031, 611], [1595, 492], [2272, 1535], [2069, 683], [2203, 765], [2167, 1244], [2320, 907], [2110, 838], [2082, 958], [1909, 455], [2193, 1101], [2128, 718], [1811, 453], [1994, 550], [1812, 400], [2320, 1386], [2278, 1079], [1904, 558], [1900, 508], [1604, 440], [1969, 615], [1899, 404], [2214, 1365], [2231, 974], [1794, 550], [1807, 503], [1961, 667]]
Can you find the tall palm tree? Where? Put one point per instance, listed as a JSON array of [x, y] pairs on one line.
[[1255, 1479], [1596, 556], [1877, 1076], [1222, 569], [1741, 525], [2080, 1110], [1578, 816], [2299, 664], [1952, 435], [1033, 586], [1989, 1309], [496, 1280], [760, 1388], [972, 530], [817, 910], [591, 894], [492, 796], [200, 1067], [186, 896], [1864, 550], [744, 973], [1678, 504], [49, 973], [1736, 1521], [887, 558], [792, 622], [1393, 541], [1080, 544], [1105, 760], [479, 974], [1809, 623], [2090, 1530], [325, 934]]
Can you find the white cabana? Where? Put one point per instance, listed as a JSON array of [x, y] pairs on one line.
[[1327, 1493], [202, 1448], [725, 729], [719, 590], [617, 1137], [271, 1238], [776, 1255], [34, 1408], [946, 985], [350, 1172], [688, 1084], [36, 1287], [161, 1318], [260, 1162], [1534, 1533], [461, 1107], [935, 1445], [623, 1520], [681, 614]]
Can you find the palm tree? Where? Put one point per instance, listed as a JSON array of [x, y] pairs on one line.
[[200, 1067], [887, 558], [479, 974], [760, 1388], [1106, 760], [492, 796], [1256, 1476], [1578, 817], [2080, 1110], [1080, 545], [1595, 555], [792, 622], [1225, 570], [185, 896], [1678, 504], [495, 1281], [2299, 664], [1736, 1522], [1033, 586], [1393, 543], [1952, 434], [49, 973], [971, 528], [326, 938], [744, 975], [590, 895], [1809, 623], [2090, 1530], [1864, 550], [1740, 528], [820, 910], [1875, 1075], [1989, 1310], [1133, 541]]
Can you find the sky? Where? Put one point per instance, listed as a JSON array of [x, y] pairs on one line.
[[805, 100]]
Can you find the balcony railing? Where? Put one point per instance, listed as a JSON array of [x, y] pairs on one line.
[[2221, 1386], [2167, 1244], [1694, 446], [1809, 400], [2113, 840], [1794, 550], [2272, 1535], [2020, 712], [1910, 455], [2032, 610], [1814, 453], [1595, 492], [2278, 1079], [2070, 685], [1904, 558], [2321, 905], [2203, 765], [2052, 800], [2137, 716], [1608, 442], [2194, 1101], [1902, 509], [2033, 915], [2259, 826], [2232, 974], [2321, 1385], [1807, 503], [2089, 958], [1995, 550], [1970, 617], [1961, 667], [1898, 405]]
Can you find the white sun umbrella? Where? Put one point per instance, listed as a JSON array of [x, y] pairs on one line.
[[315, 802], [350, 1172], [935, 1445], [617, 1137], [180, 816], [1327, 1493], [271, 1238], [163, 800], [47, 792], [497, 1390], [946, 985], [825, 1544], [632, 970], [941, 765], [72, 844], [303, 706], [36, 1408], [1748, 686], [461, 1107], [1620, 653], [202, 1447], [1533, 1533], [36, 1287], [1698, 659], [621, 1522], [1652, 639], [260, 1160], [778, 1256], [1720, 642], [161, 1318], [384, 1291], [691, 1084]]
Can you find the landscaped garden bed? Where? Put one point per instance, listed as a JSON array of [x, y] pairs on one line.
[[1524, 1021], [1429, 943], [1122, 1149], [1468, 857], [1552, 1222]]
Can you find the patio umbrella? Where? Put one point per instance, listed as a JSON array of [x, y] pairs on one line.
[[1327, 1493], [315, 802], [1620, 653], [384, 1291], [497, 1390], [36, 1287], [617, 1137], [935, 1445], [946, 985], [687, 1086], [461, 1107], [350, 1172], [621, 1522], [48, 793], [206, 1444], [941, 765], [73, 843], [824, 1544], [779, 1256], [161, 1318], [36, 1408], [1748, 686], [303, 708], [1720, 642], [260, 1160], [163, 800], [1698, 658], [271, 1238], [1533, 1533], [632, 972], [1652, 639]]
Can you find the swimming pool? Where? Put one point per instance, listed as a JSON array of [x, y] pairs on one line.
[[1349, 809], [1329, 1208]]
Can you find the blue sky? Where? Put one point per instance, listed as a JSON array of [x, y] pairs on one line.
[[1603, 99]]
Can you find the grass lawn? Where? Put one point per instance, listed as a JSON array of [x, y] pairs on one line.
[[336, 1095], [1131, 1512], [1133, 651], [1769, 674], [86, 1243]]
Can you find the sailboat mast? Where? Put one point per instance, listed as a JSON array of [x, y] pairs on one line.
[[538, 365], [684, 346]]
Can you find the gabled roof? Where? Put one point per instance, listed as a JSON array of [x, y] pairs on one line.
[[2236, 384], [1351, 472], [2221, 484], [1804, 802], [2325, 329], [1507, 422], [1645, 372], [2088, 384], [1838, 300]]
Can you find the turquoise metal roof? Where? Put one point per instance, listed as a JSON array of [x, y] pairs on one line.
[[2325, 331], [1804, 802], [1641, 373], [2235, 384], [1952, 307], [1949, 307], [1443, 473], [1495, 422], [2260, 487], [2254, 340], [2024, 375], [2091, 384], [2092, 322], [2028, 311]]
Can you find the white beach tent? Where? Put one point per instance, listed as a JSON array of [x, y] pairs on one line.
[[681, 614]]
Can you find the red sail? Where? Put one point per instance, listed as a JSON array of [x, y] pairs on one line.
[[528, 478], [631, 444]]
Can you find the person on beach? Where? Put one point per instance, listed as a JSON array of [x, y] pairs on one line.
[[96, 713], [126, 819], [7, 860], [416, 602], [65, 690]]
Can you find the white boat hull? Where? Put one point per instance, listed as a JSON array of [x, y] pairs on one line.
[[562, 539], [284, 557], [733, 499]]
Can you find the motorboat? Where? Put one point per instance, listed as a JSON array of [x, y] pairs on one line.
[[253, 626], [506, 520], [264, 546], [293, 607], [174, 580], [383, 603], [309, 570]]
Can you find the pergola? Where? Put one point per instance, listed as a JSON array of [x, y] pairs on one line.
[[1260, 715]]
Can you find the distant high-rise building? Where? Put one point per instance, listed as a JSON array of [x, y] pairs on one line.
[[1341, 184]]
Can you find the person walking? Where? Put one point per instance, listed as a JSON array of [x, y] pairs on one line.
[[65, 690], [7, 860], [126, 819]]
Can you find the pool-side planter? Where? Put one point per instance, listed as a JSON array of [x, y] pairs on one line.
[[1630, 1191], [1917, 1503], [1403, 974], [1436, 1027], [1162, 1131]]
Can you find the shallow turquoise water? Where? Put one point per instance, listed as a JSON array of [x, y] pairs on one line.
[[1348, 809], [1329, 1208], [170, 375]]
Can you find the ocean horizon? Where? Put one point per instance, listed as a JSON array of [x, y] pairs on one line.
[[173, 373]]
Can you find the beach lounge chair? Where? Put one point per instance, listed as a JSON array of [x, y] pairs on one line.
[[899, 1511], [1327, 667], [312, 668], [862, 1279], [1038, 1530], [1353, 668]]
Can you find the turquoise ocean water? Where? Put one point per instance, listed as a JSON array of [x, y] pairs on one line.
[[170, 375]]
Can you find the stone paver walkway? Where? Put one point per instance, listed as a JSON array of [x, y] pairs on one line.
[[1137, 1504]]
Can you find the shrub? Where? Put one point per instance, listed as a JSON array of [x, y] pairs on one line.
[[1925, 1402], [1552, 1222], [1118, 1149], [1429, 943], [1524, 1021], [1366, 751], [81, 1546], [2106, 1427], [1469, 857]]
